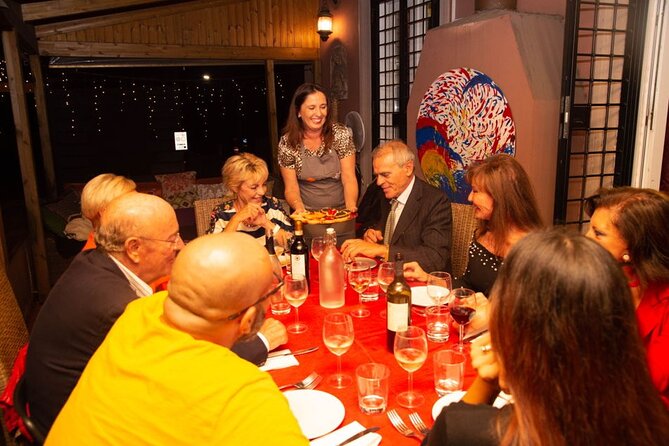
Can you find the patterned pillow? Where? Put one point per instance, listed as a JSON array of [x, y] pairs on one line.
[[205, 191], [178, 188]]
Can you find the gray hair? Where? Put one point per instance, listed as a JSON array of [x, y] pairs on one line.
[[402, 154]]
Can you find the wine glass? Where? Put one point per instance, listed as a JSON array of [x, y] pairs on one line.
[[317, 246], [438, 286], [338, 337], [410, 352], [385, 277], [295, 290], [463, 309], [359, 276]]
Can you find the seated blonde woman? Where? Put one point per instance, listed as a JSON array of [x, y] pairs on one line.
[[97, 194], [249, 210]]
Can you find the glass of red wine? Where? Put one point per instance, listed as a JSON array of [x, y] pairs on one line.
[[463, 309]]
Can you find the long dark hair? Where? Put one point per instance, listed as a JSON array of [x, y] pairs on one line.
[[514, 205], [641, 217], [294, 128], [564, 329]]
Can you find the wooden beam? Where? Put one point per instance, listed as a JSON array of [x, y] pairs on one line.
[[22, 128], [10, 19], [271, 113], [60, 8], [99, 50], [43, 124], [125, 17]]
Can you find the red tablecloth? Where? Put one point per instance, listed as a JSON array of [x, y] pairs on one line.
[[369, 346]]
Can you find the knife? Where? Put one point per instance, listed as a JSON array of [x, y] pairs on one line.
[[471, 337], [295, 353], [358, 435]]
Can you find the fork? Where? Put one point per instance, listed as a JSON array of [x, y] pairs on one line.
[[418, 423], [311, 381], [399, 424]]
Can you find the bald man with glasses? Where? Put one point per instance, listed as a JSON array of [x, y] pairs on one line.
[[165, 374]]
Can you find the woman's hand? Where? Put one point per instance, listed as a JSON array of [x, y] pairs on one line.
[[282, 238], [484, 359], [413, 271]]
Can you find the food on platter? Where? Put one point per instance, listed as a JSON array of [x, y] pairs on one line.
[[324, 216]]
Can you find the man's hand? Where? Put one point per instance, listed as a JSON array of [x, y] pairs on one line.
[[413, 271], [275, 333], [355, 247], [373, 236]]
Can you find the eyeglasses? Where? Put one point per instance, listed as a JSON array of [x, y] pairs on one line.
[[263, 298], [175, 242]]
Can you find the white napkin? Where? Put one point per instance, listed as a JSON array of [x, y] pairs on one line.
[[341, 434], [280, 362]]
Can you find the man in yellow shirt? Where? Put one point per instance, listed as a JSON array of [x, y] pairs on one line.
[[165, 373]]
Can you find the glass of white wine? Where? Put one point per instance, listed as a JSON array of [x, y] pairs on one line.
[[385, 277], [439, 286], [338, 337], [359, 276], [295, 290], [410, 352]]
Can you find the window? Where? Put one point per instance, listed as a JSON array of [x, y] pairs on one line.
[[398, 30]]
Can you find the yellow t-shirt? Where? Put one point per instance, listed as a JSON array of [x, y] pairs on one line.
[[149, 383]]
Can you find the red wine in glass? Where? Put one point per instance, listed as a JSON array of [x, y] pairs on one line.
[[462, 314]]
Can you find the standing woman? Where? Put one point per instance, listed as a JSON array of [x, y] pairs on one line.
[[563, 341], [317, 155], [505, 210], [631, 224]]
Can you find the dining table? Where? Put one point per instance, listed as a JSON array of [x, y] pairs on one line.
[[369, 346]]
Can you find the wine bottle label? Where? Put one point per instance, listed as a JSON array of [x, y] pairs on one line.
[[297, 264], [398, 316]]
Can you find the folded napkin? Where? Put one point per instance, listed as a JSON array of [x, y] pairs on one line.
[[280, 362], [341, 434]]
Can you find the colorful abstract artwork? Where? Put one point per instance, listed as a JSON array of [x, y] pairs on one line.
[[463, 118]]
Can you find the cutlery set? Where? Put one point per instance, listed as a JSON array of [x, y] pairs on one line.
[[399, 424]]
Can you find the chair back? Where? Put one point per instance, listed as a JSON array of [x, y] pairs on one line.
[[203, 210], [13, 334], [463, 228]]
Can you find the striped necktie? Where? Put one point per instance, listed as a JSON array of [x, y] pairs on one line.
[[390, 223]]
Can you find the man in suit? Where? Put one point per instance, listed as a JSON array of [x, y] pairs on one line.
[[138, 241], [165, 373], [415, 218]]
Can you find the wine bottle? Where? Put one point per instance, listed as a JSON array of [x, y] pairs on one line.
[[398, 304], [331, 275], [299, 253]]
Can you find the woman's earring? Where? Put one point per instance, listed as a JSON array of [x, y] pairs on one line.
[[626, 258]]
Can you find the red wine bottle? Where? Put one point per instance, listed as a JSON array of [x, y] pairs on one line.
[[398, 304], [299, 253]]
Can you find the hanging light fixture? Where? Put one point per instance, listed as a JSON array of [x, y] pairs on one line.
[[324, 27]]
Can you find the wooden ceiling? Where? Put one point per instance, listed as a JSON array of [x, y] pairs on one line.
[[224, 30]]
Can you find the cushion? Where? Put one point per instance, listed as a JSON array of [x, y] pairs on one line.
[[206, 191], [178, 188]]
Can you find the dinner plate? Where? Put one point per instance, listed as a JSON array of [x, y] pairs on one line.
[[317, 412], [420, 298], [446, 400], [366, 260]]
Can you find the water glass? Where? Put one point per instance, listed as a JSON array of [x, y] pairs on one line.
[[372, 380], [449, 371], [317, 247], [438, 323]]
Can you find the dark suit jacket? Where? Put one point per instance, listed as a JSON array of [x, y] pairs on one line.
[[423, 232], [79, 311]]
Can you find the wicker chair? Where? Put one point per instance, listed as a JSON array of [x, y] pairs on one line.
[[13, 335], [464, 225], [203, 210]]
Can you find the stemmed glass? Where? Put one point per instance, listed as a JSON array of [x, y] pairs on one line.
[[410, 352], [359, 276], [463, 309], [385, 277], [317, 246], [295, 290], [438, 286], [338, 337]]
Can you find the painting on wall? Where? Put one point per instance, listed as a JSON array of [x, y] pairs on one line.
[[463, 118]]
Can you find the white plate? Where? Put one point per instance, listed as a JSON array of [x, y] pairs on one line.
[[366, 261], [420, 298], [317, 413], [446, 400]]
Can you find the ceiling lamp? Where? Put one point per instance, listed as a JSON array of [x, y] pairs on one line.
[[324, 27]]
